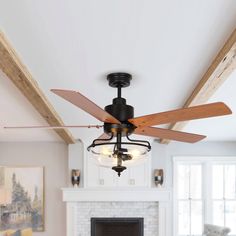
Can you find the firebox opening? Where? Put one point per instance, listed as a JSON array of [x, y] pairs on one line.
[[117, 226]]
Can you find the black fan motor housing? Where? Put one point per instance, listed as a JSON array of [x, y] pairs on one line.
[[120, 110]]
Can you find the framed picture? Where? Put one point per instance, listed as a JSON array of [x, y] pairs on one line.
[[22, 198]]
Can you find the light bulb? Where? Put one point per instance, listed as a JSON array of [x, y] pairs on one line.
[[134, 152], [106, 151]]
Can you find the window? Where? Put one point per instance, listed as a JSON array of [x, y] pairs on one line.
[[224, 195], [189, 199], [204, 192]]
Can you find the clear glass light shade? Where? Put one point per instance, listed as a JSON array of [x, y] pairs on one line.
[[103, 155]]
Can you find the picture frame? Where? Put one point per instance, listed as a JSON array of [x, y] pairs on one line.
[[23, 204]]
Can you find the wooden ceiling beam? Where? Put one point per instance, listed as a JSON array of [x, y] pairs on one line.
[[219, 70], [12, 66]]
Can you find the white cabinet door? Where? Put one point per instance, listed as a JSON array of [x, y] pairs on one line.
[[123, 180], [139, 175], [106, 177], [92, 174]]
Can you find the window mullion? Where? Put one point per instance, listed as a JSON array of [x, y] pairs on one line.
[[235, 182], [190, 216], [224, 193], [190, 205], [207, 193]]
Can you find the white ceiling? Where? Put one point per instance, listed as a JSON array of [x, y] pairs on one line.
[[166, 45]]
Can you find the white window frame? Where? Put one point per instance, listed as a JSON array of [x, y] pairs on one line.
[[206, 162]]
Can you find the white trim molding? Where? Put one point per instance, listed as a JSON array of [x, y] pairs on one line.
[[116, 195], [200, 159]]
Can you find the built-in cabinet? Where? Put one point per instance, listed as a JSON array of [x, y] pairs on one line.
[[135, 176]]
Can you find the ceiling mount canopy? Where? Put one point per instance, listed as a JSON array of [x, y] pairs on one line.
[[119, 123], [119, 79]]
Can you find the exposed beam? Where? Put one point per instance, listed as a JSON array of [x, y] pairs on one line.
[[12, 66], [219, 70]]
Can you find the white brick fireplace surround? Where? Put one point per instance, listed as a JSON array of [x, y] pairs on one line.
[[150, 203]]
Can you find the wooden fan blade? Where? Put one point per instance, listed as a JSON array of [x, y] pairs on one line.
[[169, 134], [85, 104], [53, 127], [191, 113]]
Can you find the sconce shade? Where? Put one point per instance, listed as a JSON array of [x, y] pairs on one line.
[[158, 177]]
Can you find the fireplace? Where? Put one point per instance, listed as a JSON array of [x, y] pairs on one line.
[[153, 205], [117, 226]]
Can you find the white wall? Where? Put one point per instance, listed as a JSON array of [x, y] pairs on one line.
[[162, 154], [53, 156]]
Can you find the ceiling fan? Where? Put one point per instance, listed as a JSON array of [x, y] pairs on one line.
[[119, 121]]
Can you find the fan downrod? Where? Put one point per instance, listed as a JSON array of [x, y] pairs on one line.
[[119, 109], [119, 79]]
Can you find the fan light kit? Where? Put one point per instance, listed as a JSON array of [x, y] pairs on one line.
[[119, 123]]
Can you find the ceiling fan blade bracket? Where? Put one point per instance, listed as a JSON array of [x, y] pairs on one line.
[[123, 129]]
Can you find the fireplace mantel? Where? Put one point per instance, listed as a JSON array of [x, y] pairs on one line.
[[161, 195], [116, 194]]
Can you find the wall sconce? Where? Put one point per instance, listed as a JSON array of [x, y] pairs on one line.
[[75, 177], [158, 177]]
